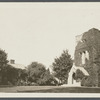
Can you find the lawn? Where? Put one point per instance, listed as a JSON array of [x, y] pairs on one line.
[[66, 90], [48, 89]]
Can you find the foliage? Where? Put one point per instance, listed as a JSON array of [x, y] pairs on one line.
[[3, 65], [94, 73], [9, 75], [47, 79], [90, 80], [97, 63], [62, 65], [3, 59], [37, 74], [79, 75], [22, 77], [12, 75], [35, 71]]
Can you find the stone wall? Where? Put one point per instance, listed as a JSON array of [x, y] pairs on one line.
[[89, 45]]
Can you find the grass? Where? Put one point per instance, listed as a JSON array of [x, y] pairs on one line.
[[48, 89], [66, 90]]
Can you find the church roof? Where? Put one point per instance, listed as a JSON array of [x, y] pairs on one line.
[[83, 70], [74, 68]]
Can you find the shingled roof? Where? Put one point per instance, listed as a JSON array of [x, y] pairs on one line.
[[19, 66]]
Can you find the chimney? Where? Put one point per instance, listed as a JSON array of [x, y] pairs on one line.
[[12, 61]]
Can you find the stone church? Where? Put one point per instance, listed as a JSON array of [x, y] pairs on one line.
[[86, 58]]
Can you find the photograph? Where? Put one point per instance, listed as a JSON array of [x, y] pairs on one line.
[[50, 49]]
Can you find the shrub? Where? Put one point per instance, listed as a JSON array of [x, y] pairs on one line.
[[79, 75], [90, 80], [87, 81]]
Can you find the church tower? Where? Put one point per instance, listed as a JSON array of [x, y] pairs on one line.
[[87, 58], [87, 47], [86, 52]]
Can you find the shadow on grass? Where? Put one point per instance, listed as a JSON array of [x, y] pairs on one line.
[[66, 90]]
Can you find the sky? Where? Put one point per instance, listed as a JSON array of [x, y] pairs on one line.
[[41, 31]]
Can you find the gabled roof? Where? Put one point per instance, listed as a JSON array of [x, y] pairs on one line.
[[20, 66], [83, 70], [74, 68]]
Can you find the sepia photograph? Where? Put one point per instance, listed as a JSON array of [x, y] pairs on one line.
[[49, 49]]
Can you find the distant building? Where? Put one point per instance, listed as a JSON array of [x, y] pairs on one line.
[[86, 51], [12, 63]]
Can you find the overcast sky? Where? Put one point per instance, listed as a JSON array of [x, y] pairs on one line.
[[41, 31]]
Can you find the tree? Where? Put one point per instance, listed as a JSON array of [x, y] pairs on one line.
[[3, 65], [35, 71], [23, 74], [62, 65], [47, 79], [8, 74]]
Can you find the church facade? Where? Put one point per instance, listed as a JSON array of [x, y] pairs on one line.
[[86, 56]]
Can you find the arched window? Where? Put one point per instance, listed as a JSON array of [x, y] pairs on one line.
[[83, 57]]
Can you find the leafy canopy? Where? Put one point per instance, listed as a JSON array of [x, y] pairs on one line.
[[62, 65], [35, 71]]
